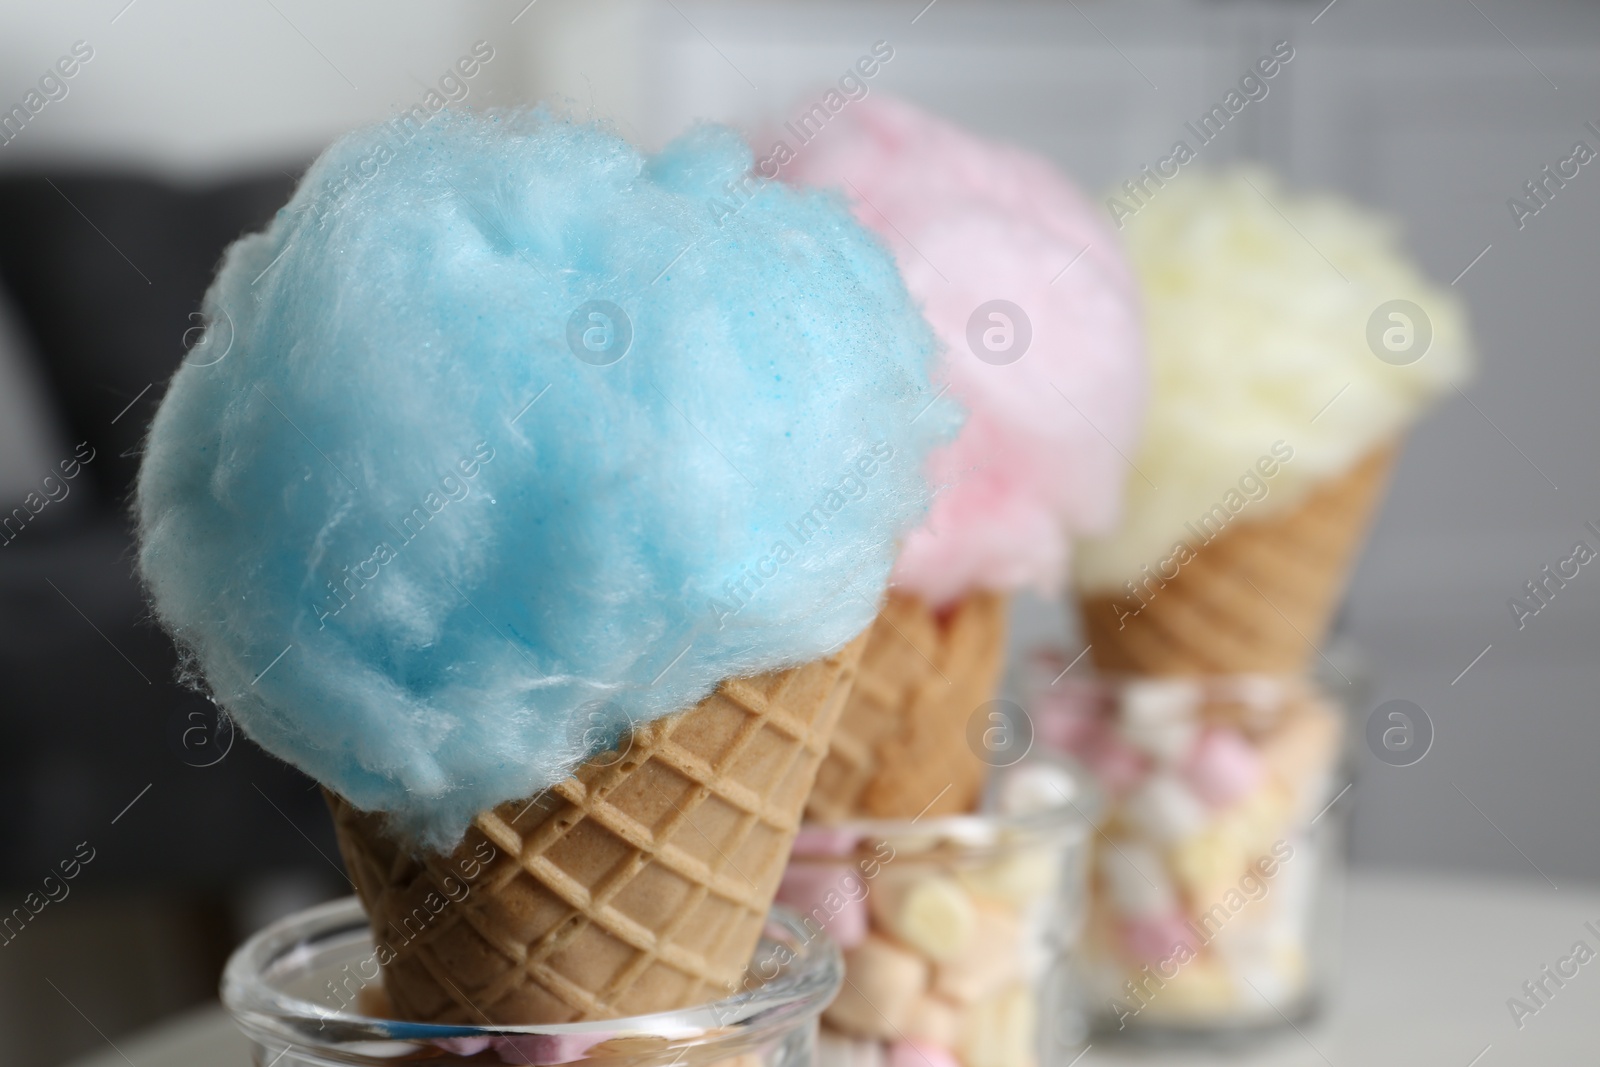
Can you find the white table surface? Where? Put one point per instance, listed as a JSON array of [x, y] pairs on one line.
[[1428, 965]]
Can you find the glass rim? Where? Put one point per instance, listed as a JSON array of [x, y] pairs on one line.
[[805, 984], [1258, 686], [974, 832]]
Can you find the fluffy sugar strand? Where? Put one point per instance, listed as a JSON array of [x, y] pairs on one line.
[[517, 442]]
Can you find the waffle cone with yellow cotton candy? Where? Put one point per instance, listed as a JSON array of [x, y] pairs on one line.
[[1255, 599], [638, 884], [901, 748]]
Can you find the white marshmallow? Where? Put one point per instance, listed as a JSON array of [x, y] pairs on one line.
[[1158, 717], [1165, 810], [882, 983], [1034, 787], [1137, 880], [836, 1050]]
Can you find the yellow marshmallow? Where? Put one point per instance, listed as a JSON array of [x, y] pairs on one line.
[[1018, 879], [1001, 1031], [931, 914], [992, 960]]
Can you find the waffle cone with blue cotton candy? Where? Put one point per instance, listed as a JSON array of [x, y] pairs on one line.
[[639, 884], [504, 466]]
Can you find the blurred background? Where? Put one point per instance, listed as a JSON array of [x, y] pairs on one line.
[[185, 124]]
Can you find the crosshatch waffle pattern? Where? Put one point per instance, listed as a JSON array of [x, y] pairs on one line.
[[639, 884], [903, 736], [1256, 599]]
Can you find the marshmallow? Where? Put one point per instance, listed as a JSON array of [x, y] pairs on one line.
[[836, 1050], [932, 1021], [546, 1048], [1265, 953], [1065, 716], [1223, 767], [825, 841], [1165, 810], [1295, 890], [463, 1046], [992, 960], [1303, 747], [931, 914], [1116, 765], [1034, 787], [1209, 865], [1262, 819], [1017, 879], [1202, 989], [1153, 938], [882, 984], [920, 1054], [1136, 879], [1158, 717], [1001, 1031], [828, 897]]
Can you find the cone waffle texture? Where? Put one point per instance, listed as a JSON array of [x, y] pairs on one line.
[[1257, 598], [901, 748], [639, 884]]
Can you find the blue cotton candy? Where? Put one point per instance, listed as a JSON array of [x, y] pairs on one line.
[[420, 549]]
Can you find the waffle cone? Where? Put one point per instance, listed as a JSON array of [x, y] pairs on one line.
[[901, 747], [1256, 598], [639, 884]]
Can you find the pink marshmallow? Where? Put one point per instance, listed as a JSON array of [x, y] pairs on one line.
[[1116, 765], [919, 1054], [1067, 716], [1223, 767], [1155, 938], [539, 1050], [830, 896], [1037, 462], [1064, 729], [464, 1046], [825, 841]]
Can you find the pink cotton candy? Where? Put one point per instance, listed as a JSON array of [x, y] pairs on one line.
[[970, 222], [1223, 767]]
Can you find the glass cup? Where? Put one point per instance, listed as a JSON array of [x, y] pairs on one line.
[[956, 930], [1219, 848], [275, 988]]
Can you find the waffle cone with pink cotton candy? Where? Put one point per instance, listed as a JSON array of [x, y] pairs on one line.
[[639, 884], [1023, 281], [901, 747], [1256, 599]]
